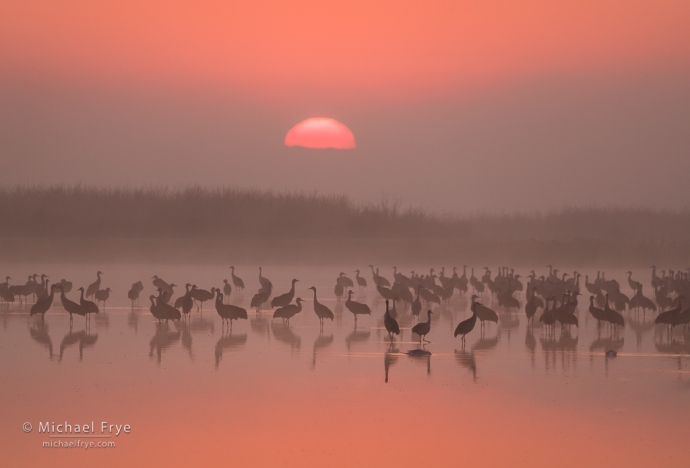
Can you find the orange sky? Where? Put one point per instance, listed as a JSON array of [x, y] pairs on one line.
[[399, 49]]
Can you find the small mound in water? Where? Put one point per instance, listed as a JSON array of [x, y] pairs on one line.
[[611, 353], [418, 352]]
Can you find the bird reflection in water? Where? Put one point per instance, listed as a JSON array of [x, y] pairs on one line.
[[390, 357], [186, 336], [285, 334], [201, 324], [229, 342], [611, 343], [102, 320], [83, 337], [466, 359], [484, 343], [321, 342], [39, 333], [259, 325], [133, 319], [565, 344], [357, 336], [640, 329], [163, 339], [422, 356], [531, 344]]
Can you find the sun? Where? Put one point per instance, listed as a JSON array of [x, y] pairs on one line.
[[320, 133]]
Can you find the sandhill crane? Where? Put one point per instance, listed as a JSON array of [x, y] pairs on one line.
[[261, 297], [634, 285], [156, 310], [42, 287], [88, 306], [417, 304], [167, 311], [597, 313], [357, 308], [42, 306], [531, 305], [65, 285], [386, 293], [102, 295], [361, 282], [185, 302], [429, 297], [612, 316], [670, 317], [133, 295], [201, 295], [339, 289], [484, 314], [236, 280], [345, 281], [467, 326], [639, 301], [289, 311], [158, 283], [390, 323], [229, 312], [379, 280], [423, 328], [394, 310], [284, 299], [547, 317], [264, 282], [70, 306], [592, 288], [321, 311], [6, 285], [227, 289], [95, 286]]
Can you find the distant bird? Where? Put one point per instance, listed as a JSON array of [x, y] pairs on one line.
[[670, 317], [42, 306], [260, 298], [65, 285], [227, 289], [597, 313], [634, 285], [385, 292], [160, 284], [339, 289], [229, 312], [547, 317], [167, 295], [361, 282], [639, 301], [156, 310], [612, 316], [417, 305], [88, 306], [133, 295], [236, 280], [264, 282], [138, 286], [166, 310], [484, 314], [357, 308], [102, 295], [428, 296], [321, 311], [423, 328], [289, 311], [390, 323], [467, 326], [95, 286], [379, 280], [345, 281], [70, 306], [201, 295], [531, 305], [186, 303], [284, 299]]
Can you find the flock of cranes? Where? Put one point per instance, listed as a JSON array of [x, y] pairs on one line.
[[555, 294]]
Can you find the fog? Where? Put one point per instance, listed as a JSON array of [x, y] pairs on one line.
[[541, 143]]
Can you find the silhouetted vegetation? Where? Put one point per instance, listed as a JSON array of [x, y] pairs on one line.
[[197, 224]]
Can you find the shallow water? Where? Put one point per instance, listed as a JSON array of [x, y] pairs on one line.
[[267, 394]]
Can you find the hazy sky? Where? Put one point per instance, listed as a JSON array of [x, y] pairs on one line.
[[456, 106]]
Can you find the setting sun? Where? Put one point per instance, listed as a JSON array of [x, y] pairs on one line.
[[320, 133]]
